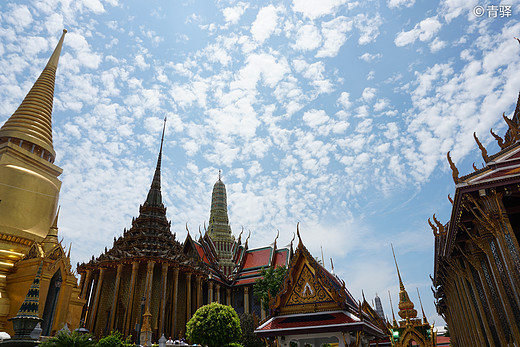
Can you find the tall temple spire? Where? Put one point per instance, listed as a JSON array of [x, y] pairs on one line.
[[154, 195], [406, 306], [218, 217], [32, 121]]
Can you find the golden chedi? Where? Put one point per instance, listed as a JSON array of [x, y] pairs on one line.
[[29, 191]]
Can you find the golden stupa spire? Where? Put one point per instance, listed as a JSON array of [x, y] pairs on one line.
[[32, 121], [425, 320], [406, 306], [394, 323], [51, 240]]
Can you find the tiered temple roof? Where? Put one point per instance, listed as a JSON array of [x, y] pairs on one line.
[[311, 301], [149, 236]]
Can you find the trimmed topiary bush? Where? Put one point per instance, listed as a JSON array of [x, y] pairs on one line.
[[214, 325]]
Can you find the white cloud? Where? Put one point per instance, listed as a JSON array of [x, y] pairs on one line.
[[233, 14], [436, 45], [140, 62], [265, 24], [368, 27], [368, 94], [307, 38], [424, 31], [370, 57], [20, 17], [344, 101], [400, 3], [316, 8], [313, 118], [334, 36]]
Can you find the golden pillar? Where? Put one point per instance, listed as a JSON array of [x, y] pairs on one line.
[[115, 298], [95, 302], [246, 299], [502, 292], [198, 282], [478, 335], [86, 284], [217, 289], [228, 296], [480, 257], [188, 296], [148, 286], [485, 320], [130, 306], [164, 281], [175, 301], [210, 292]]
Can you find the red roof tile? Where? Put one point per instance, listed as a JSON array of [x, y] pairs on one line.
[[307, 320], [280, 258], [257, 258]]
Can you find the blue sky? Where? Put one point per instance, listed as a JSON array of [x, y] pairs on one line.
[[331, 113]]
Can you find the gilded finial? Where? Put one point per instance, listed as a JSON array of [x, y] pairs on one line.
[[240, 236], [513, 128], [187, 229], [298, 233], [422, 309], [219, 174], [454, 170], [450, 199], [401, 285], [434, 228], [482, 148], [500, 140], [392, 307], [247, 240], [440, 226]]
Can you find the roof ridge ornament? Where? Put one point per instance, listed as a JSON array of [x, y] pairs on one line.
[[454, 170], [482, 148], [500, 140]]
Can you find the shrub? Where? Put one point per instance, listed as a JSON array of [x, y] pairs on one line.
[[214, 325], [69, 339]]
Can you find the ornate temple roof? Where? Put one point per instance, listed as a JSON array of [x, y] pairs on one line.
[[229, 261], [312, 300], [499, 169], [32, 121], [149, 235]]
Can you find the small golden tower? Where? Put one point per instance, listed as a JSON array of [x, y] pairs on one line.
[[409, 328]]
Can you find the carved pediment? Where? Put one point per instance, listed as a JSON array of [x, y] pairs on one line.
[[308, 290], [308, 287], [35, 251], [56, 253]]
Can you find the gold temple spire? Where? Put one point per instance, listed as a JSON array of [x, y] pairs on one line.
[[401, 285], [394, 322], [406, 306], [422, 309], [32, 121], [51, 239]]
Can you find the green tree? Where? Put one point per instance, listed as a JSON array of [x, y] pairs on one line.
[[270, 283], [69, 339], [248, 325], [214, 325], [115, 339]]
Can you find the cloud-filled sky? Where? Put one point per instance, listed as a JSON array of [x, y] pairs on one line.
[[336, 114]]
